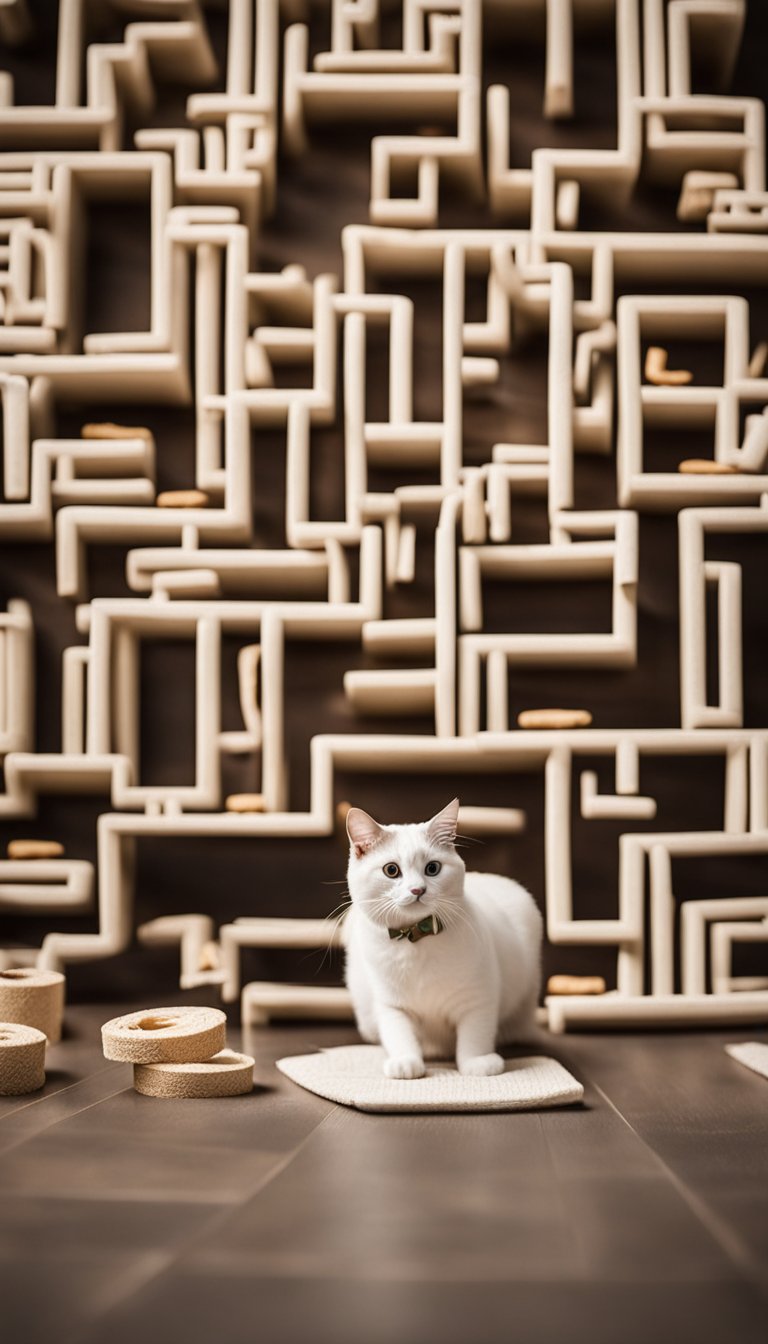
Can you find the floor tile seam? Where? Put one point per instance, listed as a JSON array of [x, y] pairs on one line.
[[214, 1224], [730, 1243], [34, 1133], [40, 1099]]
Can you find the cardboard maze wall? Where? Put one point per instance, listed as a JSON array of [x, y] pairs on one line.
[[370, 375]]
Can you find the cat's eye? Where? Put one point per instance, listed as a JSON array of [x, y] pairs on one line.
[[433, 868], [391, 870]]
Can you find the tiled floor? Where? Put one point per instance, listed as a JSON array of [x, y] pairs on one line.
[[641, 1216]]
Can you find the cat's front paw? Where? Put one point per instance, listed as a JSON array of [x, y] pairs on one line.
[[404, 1066], [482, 1066]]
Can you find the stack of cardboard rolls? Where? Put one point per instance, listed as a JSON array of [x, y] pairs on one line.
[[178, 1053], [31, 1015]]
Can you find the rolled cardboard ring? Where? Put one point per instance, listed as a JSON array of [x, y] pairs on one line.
[[228, 1074], [165, 1036], [22, 1059], [554, 718], [33, 999], [576, 984], [35, 849]]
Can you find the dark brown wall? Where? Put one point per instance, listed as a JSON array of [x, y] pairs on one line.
[[317, 196]]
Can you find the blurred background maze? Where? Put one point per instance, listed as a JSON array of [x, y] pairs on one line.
[[372, 373]]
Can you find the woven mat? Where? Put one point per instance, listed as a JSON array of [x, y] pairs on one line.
[[752, 1053], [353, 1075]]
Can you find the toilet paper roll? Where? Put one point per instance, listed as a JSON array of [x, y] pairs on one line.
[[228, 1074], [165, 1035], [22, 1059], [33, 998]]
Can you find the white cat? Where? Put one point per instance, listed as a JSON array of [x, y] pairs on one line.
[[439, 961]]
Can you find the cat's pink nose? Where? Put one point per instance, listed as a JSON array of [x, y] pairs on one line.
[[418, 891]]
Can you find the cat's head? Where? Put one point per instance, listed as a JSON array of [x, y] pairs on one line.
[[398, 875]]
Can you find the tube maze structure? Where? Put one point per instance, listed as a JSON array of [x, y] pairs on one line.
[[193, 570]]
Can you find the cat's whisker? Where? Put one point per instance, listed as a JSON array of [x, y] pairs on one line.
[[338, 917], [327, 951], [335, 917], [391, 908], [313, 952], [457, 916], [343, 905]]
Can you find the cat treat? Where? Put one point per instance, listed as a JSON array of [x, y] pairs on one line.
[[35, 849], [109, 430], [576, 984], [554, 718], [656, 370], [343, 810], [182, 499], [245, 802], [706, 466]]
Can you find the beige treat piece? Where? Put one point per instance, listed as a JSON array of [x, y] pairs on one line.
[[758, 360], [576, 984], [706, 466], [165, 1036], [108, 430], [182, 499], [228, 1074], [245, 802], [33, 999], [35, 849], [22, 1059], [656, 370], [210, 956], [698, 193], [554, 718]]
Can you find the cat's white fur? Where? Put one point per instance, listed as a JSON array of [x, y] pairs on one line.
[[461, 992]]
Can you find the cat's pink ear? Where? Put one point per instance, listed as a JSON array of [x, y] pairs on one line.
[[442, 828], [362, 830]]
